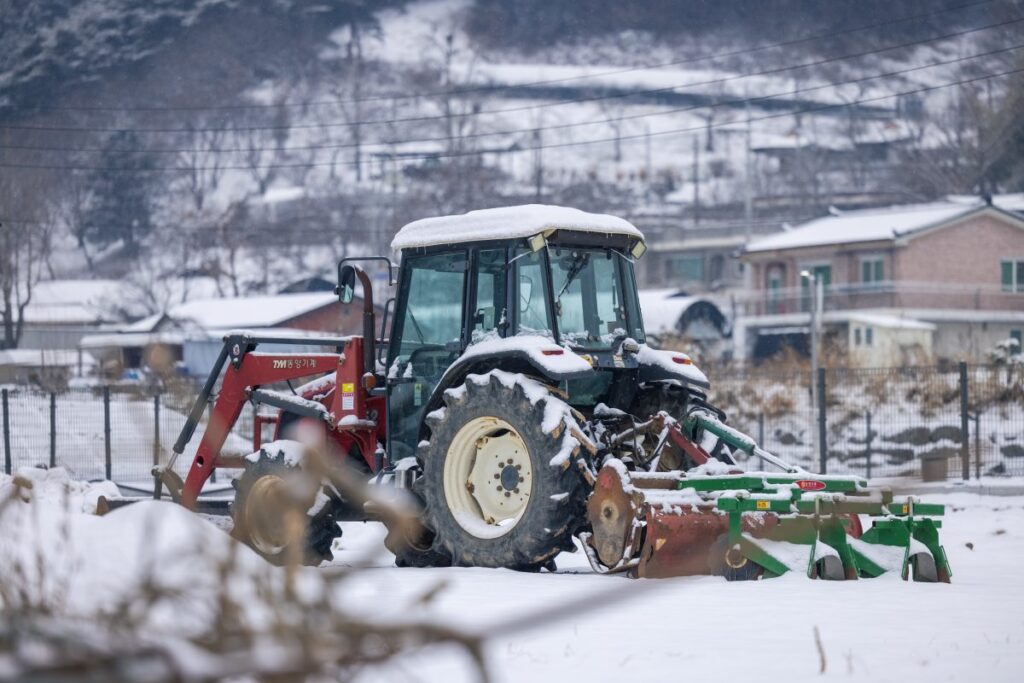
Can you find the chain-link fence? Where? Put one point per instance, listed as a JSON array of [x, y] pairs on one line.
[[877, 422], [959, 421]]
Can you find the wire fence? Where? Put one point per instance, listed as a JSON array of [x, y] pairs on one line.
[[933, 422], [105, 433], [925, 421]]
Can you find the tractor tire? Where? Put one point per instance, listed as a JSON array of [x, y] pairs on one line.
[[527, 509], [263, 529]]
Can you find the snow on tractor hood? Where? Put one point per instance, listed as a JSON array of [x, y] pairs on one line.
[[673, 363], [556, 360], [509, 222]]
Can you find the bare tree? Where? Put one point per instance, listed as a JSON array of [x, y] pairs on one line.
[[25, 242]]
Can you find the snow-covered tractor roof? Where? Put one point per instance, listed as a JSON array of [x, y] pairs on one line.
[[509, 222]]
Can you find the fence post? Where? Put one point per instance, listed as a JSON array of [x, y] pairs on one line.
[[107, 469], [7, 434], [53, 429], [760, 429], [867, 443], [156, 429], [822, 445], [965, 435], [977, 445]]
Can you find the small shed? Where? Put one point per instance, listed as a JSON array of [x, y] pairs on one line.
[[877, 341], [49, 368]]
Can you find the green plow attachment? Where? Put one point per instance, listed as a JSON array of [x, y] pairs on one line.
[[817, 527], [718, 519]]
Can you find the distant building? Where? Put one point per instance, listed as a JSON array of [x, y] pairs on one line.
[[61, 312], [50, 369], [189, 335], [942, 280]]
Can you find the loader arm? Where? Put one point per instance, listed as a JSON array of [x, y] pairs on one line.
[[246, 371]]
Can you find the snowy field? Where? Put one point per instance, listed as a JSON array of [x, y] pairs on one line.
[[651, 630]]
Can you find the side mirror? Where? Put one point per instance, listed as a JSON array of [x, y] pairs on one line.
[[525, 292], [347, 284]]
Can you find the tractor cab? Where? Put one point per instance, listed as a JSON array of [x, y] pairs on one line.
[[525, 275]]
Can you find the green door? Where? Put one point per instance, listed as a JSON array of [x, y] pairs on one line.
[[427, 339]]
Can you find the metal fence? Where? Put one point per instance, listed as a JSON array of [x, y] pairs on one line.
[[875, 422], [964, 420], [103, 433]]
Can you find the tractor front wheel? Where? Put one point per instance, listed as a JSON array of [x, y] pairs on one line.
[[495, 494], [272, 519]]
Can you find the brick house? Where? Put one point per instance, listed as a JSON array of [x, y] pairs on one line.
[[942, 280]]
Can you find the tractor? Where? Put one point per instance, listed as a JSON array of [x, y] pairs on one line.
[[516, 401]]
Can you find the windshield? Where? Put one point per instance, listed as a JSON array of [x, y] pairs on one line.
[[590, 306]]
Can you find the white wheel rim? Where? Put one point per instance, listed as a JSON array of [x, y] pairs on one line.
[[488, 477], [264, 515]]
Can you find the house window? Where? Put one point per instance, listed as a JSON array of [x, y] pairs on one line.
[[1013, 276], [869, 336], [872, 271], [686, 268], [856, 336]]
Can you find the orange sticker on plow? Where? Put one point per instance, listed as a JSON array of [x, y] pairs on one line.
[[809, 485], [763, 505]]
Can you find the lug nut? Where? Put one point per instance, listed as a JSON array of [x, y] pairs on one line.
[[497, 476], [516, 491], [519, 467], [470, 487], [507, 494]]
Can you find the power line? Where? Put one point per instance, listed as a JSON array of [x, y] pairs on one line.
[[492, 88], [519, 131], [560, 103], [559, 145]]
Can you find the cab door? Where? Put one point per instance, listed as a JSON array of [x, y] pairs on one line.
[[428, 336]]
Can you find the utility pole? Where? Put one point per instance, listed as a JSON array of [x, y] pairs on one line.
[[538, 166], [647, 159], [748, 189], [816, 286], [696, 179]]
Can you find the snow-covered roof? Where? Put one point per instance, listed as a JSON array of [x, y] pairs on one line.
[[661, 309], [867, 225], [893, 322], [120, 340], [40, 358], [510, 222], [250, 311], [71, 301]]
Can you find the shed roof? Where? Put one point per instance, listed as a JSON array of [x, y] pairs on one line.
[[509, 222], [250, 311]]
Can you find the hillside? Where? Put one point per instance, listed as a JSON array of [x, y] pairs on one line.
[[174, 143]]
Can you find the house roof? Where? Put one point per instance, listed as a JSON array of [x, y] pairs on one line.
[[38, 358], [874, 225], [250, 311], [509, 222], [894, 322], [71, 301]]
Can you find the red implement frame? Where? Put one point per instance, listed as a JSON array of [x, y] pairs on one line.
[[248, 371]]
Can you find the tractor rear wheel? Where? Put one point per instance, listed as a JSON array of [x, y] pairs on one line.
[[265, 500], [494, 495]]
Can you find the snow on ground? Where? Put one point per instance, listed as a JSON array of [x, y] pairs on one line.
[[697, 627]]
